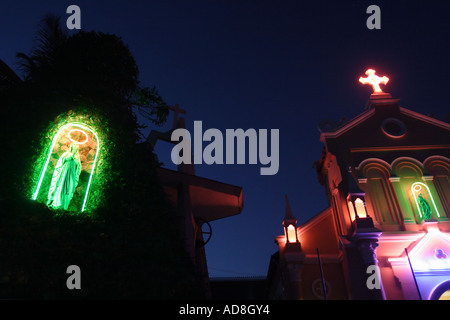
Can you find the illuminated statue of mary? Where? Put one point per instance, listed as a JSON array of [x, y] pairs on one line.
[[425, 207], [65, 179]]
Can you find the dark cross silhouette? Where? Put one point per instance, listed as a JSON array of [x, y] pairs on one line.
[[176, 110]]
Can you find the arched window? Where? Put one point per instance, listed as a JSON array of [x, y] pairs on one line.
[[439, 168], [426, 207], [380, 197]]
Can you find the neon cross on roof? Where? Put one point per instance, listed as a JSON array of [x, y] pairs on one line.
[[374, 80]]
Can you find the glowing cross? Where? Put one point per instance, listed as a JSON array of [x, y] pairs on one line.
[[374, 80]]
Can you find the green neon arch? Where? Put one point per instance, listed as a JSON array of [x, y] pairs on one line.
[[55, 138], [414, 190]]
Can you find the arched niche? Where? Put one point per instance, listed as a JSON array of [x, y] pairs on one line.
[[438, 167], [380, 197], [407, 171], [424, 200], [88, 145]]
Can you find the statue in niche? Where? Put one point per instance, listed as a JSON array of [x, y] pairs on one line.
[[424, 207], [65, 179]]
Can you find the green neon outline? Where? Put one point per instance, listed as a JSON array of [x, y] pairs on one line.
[[79, 125], [431, 196]]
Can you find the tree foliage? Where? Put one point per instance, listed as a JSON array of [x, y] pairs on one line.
[[130, 247]]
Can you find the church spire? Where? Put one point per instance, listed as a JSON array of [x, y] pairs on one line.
[[290, 224], [289, 216]]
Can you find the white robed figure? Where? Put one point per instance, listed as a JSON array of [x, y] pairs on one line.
[[65, 179]]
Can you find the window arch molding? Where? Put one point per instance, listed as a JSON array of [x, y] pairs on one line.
[[435, 165], [407, 167], [374, 165]]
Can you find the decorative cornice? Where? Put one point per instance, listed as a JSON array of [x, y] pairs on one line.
[[401, 236], [401, 148], [425, 118], [352, 123]]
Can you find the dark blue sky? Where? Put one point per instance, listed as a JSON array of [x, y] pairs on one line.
[[283, 65]]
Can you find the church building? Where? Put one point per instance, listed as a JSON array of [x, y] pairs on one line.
[[386, 232]]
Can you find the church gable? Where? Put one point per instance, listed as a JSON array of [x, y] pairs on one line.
[[386, 126], [388, 149]]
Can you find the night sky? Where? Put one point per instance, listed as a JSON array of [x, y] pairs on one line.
[[284, 65]]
